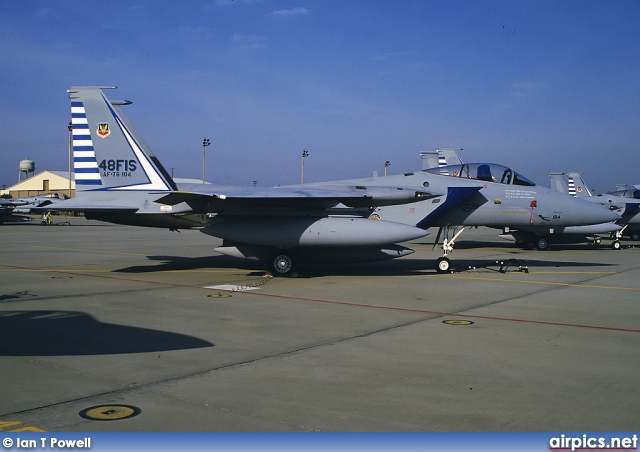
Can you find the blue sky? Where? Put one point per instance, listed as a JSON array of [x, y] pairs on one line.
[[538, 85]]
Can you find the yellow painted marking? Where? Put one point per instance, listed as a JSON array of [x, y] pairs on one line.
[[109, 412], [548, 283], [457, 322], [5, 424], [28, 428]]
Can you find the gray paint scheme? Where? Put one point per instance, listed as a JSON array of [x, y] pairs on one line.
[[298, 221], [628, 207]]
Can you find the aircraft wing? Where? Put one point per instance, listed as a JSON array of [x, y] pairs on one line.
[[293, 199]]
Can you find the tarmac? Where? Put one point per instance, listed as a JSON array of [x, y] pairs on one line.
[[115, 328]]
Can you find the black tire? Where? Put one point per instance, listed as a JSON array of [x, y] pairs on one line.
[[635, 236], [616, 245], [281, 264], [542, 244], [443, 265]]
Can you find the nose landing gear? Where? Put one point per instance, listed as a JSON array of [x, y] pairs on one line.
[[443, 264]]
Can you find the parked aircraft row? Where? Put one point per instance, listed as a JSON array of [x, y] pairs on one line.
[[120, 180], [443, 159], [12, 206], [624, 202]]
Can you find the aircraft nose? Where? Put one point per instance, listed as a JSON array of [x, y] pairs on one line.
[[595, 213]]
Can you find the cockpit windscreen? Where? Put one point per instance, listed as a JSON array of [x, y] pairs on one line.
[[489, 172]]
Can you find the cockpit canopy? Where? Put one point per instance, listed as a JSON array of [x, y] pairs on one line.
[[489, 172], [633, 193]]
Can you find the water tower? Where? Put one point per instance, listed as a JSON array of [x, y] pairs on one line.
[[26, 166]]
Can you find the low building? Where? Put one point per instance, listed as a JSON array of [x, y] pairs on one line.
[[43, 183]]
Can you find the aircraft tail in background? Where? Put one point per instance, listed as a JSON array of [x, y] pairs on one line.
[[440, 158], [570, 184]]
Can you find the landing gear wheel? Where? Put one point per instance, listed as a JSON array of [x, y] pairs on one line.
[[281, 264], [542, 244], [443, 265], [635, 236], [616, 245]]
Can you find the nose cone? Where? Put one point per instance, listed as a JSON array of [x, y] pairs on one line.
[[585, 212]]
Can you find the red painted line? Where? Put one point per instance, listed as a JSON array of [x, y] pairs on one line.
[[342, 303], [443, 313]]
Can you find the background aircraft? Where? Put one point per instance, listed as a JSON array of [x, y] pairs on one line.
[[440, 158], [8, 207], [120, 180], [627, 192], [31, 202], [627, 206]]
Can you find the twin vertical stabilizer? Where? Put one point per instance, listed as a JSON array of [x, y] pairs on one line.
[[108, 153]]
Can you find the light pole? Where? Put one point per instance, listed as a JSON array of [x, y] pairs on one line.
[[206, 142], [305, 153], [386, 164]]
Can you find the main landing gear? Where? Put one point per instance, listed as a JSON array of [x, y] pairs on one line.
[[281, 264], [443, 264], [542, 243]]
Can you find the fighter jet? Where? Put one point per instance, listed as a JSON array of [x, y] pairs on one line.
[[9, 207], [120, 180], [628, 206], [623, 191], [501, 198]]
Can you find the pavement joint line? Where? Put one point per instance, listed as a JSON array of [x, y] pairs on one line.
[[390, 308], [149, 385]]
